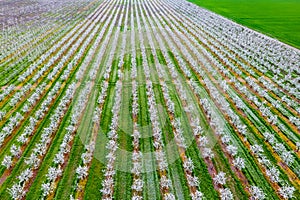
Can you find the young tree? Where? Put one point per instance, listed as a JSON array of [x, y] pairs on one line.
[[279, 148], [7, 162], [82, 172], [33, 160], [169, 196], [188, 165], [59, 158], [287, 157], [46, 188], [239, 163], [137, 185], [203, 141], [226, 194], [16, 191], [15, 150], [53, 173], [220, 178], [298, 146], [256, 149], [208, 153], [287, 192], [198, 130], [197, 195], [273, 174], [136, 197], [232, 150], [269, 137], [226, 139], [192, 180], [257, 193], [86, 157], [165, 182], [25, 175]]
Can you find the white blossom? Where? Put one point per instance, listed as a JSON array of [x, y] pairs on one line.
[[220, 178], [257, 193], [287, 192], [226, 194]]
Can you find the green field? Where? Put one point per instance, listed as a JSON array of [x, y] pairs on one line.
[[277, 18]]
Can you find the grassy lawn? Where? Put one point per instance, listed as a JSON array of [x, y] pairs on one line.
[[277, 18]]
